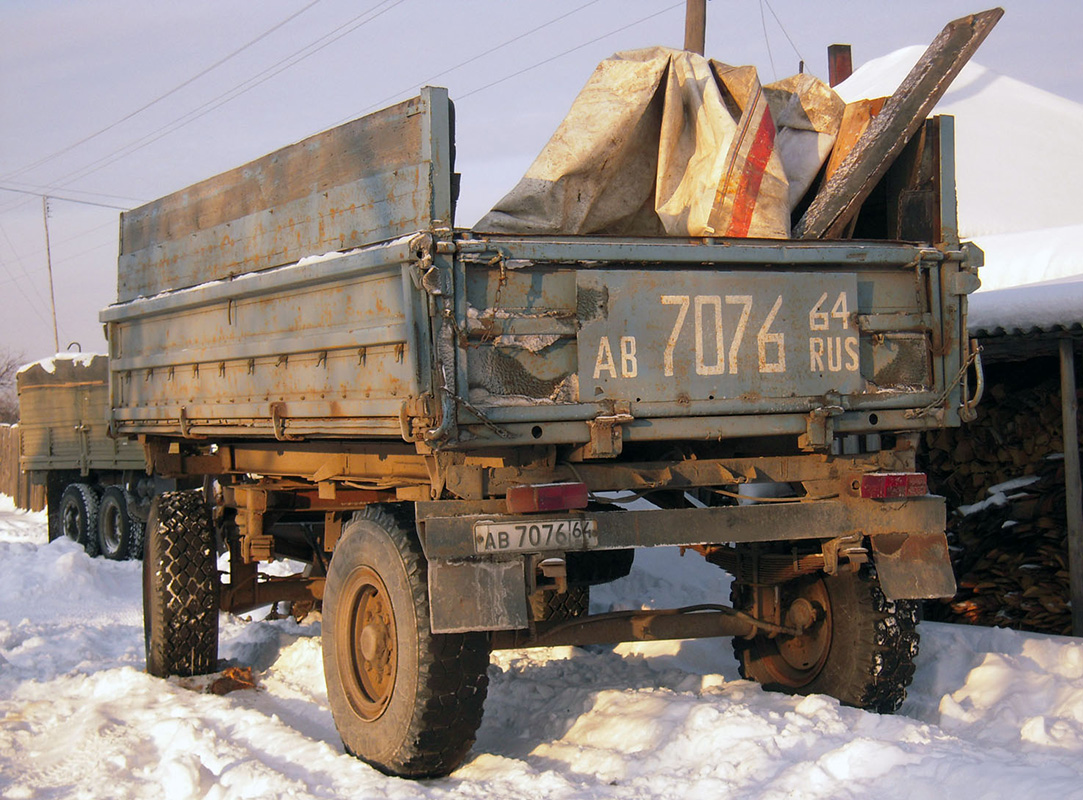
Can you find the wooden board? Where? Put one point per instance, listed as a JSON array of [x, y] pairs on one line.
[[373, 179], [839, 199]]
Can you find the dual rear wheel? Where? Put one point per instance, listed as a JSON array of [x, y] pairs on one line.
[[101, 520]]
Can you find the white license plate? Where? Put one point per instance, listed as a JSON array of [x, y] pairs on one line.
[[528, 536]]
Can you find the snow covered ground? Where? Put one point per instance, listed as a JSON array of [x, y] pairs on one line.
[[991, 714]]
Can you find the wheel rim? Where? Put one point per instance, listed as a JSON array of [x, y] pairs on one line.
[[110, 529], [367, 644], [69, 522], [797, 660]]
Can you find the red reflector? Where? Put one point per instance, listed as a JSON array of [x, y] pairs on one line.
[[886, 485], [546, 497]]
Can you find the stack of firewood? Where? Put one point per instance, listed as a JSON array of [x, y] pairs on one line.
[[1010, 554], [1015, 430]]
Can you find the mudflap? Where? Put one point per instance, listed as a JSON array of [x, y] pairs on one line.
[[477, 595], [913, 566]]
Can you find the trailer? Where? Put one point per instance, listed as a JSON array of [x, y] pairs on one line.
[[96, 486], [438, 421]]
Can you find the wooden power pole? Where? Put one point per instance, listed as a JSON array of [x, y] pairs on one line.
[[49, 263], [695, 26]]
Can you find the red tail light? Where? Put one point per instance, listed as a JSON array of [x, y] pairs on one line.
[[546, 497], [890, 485]]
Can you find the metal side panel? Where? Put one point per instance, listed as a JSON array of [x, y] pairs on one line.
[[373, 179], [326, 347], [652, 332], [65, 412]]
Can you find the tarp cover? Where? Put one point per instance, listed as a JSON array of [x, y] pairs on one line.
[[667, 142]]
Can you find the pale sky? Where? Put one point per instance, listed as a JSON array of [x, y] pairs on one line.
[[71, 69]]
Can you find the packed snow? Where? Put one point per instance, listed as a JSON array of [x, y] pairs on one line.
[[991, 713]]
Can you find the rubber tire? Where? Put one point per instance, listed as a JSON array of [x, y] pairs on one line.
[[180, 587], [78, 517], [426, 724], [120, 535], [869, 661], [549, 605]]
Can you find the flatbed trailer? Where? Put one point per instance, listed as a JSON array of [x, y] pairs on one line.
[[437, 420]]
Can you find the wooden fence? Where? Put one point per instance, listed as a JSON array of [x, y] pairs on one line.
[[13, 482]]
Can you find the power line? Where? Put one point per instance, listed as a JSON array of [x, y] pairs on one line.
[[19, 282], [782, 28], [572, 50], [59, 197], [159, 98], [231, 94], [52, 191], [471, 60], [767, 41]]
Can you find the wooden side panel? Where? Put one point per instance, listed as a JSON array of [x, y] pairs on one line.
[[370, 180]]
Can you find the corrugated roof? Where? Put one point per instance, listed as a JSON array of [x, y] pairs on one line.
[[1048, 307]]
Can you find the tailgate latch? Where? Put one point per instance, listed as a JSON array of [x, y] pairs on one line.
[[820, 424], [606, 439]]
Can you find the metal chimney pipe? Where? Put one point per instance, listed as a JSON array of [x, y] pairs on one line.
[[840, 65]]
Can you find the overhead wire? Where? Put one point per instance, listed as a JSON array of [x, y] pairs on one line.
[[26, 277], [294, 58], [424, 81], [231, 94], [767, 41], [571, 50], [161, 97], [53, 196], [782, 28], [53, 190]]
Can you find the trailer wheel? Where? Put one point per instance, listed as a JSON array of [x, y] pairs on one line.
[[860, 648], [180, 587], [79, 516], [404, 699], [119, 533], [549, 605]]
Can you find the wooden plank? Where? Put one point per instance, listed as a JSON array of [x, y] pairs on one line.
[[369, 180], [840, 198], [383, 206], [856, 119], [1073, 488], [386, 140]]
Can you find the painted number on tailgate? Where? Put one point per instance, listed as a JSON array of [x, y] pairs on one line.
[[685, 334]]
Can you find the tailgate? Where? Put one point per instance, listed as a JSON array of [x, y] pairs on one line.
[[679, 339]]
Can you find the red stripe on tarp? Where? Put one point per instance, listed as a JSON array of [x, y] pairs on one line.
[[748, 186]]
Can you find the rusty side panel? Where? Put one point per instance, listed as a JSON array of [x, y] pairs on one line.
[[378, 177], [64, 419], [328, 348]]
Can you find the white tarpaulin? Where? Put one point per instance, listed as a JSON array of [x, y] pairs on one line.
[[666, 142]]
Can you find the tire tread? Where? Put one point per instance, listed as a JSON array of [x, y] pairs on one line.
[[181, 588]]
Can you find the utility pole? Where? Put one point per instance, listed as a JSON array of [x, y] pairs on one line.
[[49, 263], [695, 26]]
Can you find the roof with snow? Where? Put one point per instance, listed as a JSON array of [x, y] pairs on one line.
[[1018, 172], [1049, 307]]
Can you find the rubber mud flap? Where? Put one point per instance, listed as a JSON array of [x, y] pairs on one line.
[[913, 566]]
